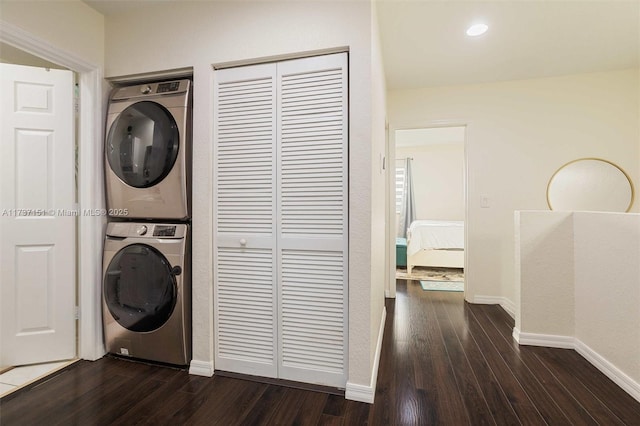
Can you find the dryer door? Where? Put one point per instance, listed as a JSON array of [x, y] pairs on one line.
[[142, 144], [140, 288]]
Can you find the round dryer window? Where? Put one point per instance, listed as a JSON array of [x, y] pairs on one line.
[[142, 145], [140, 288]]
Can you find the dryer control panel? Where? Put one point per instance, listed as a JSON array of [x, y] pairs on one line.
[[151, 89], [146, 230]]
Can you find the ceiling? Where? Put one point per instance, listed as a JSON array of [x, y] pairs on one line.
[[424, 42]]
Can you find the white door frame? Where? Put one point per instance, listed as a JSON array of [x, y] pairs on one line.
[[90, 182], [391, 225]]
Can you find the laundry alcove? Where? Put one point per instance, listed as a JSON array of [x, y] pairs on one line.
[[280, 219]]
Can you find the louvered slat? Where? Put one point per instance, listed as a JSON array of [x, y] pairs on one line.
[[303, 122], [244, 155], [312, 320], [244, 311]]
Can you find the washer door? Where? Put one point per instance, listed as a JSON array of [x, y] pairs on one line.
[[140, 288], [142, 144]]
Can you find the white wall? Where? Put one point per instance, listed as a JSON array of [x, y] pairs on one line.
[[518, 134], [607, 287], [379, 246], [579, 287], [199, 34], [69, 25], [438, 179], [544, 272]]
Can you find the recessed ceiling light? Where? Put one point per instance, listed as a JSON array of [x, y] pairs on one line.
[[477, 29]]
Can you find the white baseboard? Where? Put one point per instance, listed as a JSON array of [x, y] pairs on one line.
[[567, 342], [363, 393], [546, 340], [608, 369], [201, 368], [360, 393], [505, 303]]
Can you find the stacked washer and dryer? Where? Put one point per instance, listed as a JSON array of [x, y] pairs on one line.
[[147, 252]]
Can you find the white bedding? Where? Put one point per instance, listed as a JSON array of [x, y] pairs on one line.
[[435, 235]]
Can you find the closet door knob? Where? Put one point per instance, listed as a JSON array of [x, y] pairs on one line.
[[243, 242]]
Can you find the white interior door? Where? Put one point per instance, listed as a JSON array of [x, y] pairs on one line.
[[312, 219], [37, 221], [280, 219], [244, 224]]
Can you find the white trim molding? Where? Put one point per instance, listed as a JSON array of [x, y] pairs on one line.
[[201, 368], [546, 340], [618, 376], [24, 40], [363, 393], [505, 303], [608, 369]]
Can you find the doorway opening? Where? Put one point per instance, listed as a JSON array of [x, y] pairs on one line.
[[430, 197], [38, 224], [87, 187]]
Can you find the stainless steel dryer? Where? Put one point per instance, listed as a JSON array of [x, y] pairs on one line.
[[147, 291], [148, 151]]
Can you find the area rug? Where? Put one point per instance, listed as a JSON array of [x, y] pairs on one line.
[[442, 285], [431, 274]]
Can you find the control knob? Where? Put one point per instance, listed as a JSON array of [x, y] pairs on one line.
[[141, 230], [145, 89]]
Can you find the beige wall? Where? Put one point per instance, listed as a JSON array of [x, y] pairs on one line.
[[13, 55], [199, 34], [518, 134], [438, 179], [579, 287], [69, 25]]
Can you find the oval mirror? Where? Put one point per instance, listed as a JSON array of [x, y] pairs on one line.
[[590, 184]]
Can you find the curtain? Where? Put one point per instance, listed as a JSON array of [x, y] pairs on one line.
[[408, 208]]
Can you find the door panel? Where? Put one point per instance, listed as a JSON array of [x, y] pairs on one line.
[[312, 219], [244, 224], [37, 222]]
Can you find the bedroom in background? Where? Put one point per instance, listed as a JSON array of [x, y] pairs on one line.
[[430, 206]]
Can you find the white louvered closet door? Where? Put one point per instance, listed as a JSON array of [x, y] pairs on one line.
[[280, 219], [244, 220], [312, 219]]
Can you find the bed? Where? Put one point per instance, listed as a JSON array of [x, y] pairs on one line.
[[435, 243]]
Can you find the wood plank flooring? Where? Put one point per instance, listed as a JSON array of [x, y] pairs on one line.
[[443, 362]]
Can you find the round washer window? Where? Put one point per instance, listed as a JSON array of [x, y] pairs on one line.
[[139, 288], [142, 145]]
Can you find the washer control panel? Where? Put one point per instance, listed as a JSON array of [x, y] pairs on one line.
[[164, 231]]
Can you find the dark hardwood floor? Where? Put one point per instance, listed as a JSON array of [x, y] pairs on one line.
[[443, 362]]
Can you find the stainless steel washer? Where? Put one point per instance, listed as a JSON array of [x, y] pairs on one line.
[[147, 291], [148, 151]]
